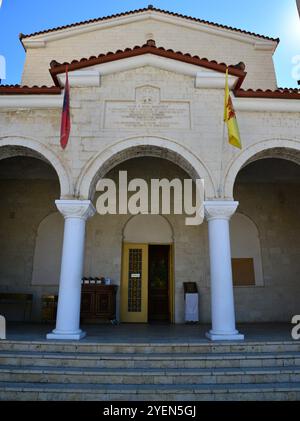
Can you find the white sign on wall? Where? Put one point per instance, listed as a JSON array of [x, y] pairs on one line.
[[147, 110]]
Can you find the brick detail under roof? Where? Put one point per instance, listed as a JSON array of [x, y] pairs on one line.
[[150, 8]]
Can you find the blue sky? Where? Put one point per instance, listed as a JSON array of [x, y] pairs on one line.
[[275, 18]]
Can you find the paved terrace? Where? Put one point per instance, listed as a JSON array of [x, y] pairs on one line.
[[156, 333]]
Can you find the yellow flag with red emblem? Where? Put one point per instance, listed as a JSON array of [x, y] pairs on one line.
[[234, 136]]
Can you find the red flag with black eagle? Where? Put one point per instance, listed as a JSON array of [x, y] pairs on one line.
[[65, 118]]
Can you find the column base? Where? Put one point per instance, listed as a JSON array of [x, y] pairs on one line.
[[66, 336], [234, 336]]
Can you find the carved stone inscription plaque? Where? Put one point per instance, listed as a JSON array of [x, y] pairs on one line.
[[147, 111]]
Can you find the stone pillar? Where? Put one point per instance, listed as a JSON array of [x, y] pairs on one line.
[[218, 214], [76, 213]]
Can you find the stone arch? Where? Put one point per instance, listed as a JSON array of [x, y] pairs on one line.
[[15, 146], [148, 229], [137, 147], [275, 148], [245, 243]]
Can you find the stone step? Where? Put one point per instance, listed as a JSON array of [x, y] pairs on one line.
[[198, 392], [164, 360], [149, 376], [150, 348]]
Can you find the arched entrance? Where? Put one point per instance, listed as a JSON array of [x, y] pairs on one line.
[[274, 148], [105, 233], [18, 146], [147, 284], [184, 164], [267, 188], [29, 187]]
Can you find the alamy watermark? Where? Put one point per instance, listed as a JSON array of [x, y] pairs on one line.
[[296, 329], [2, 328], [157, 197]]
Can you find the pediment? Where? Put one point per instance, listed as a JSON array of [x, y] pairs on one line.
[[88, 72], [152, 14]]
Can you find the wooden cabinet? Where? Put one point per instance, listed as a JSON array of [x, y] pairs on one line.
[[98, 302], [49, 308]]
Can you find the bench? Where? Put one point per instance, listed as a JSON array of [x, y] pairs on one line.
[[24, 300]]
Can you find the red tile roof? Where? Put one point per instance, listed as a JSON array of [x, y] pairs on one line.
[[149, 8], [280, 93], [29, 90], [148, 48]]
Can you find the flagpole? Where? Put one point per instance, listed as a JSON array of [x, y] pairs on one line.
[[220, 189], [234, 136], [65, 119]]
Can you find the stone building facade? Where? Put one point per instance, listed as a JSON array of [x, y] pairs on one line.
[[147, 97]]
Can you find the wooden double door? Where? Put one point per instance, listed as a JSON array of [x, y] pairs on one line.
[[147, 283]]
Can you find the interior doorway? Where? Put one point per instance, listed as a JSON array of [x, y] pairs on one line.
[[147, 284], [159, 283]]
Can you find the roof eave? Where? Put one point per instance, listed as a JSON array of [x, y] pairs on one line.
[[29, 90], [70, 30], [268, 94]]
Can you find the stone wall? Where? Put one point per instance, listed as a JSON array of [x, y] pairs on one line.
[[94, 133]]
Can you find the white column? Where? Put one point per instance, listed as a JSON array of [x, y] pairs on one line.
[[218, 214], [76, 213]]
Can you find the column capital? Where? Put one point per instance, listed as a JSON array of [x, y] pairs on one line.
[[82, 209], [220, 209]]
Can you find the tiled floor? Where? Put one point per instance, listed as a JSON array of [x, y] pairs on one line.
[[157, 333]]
